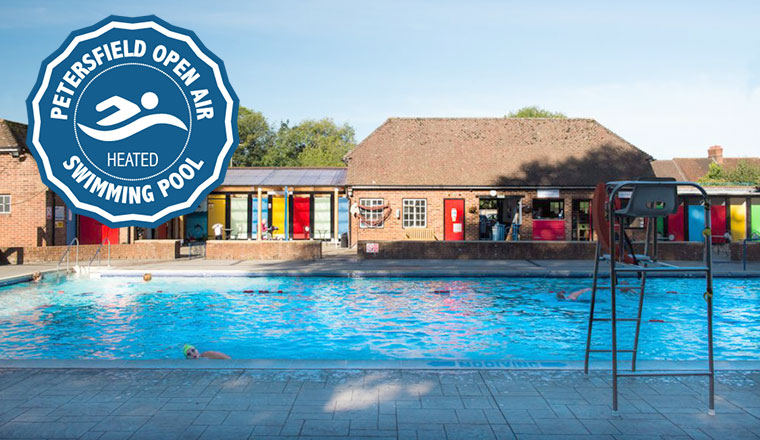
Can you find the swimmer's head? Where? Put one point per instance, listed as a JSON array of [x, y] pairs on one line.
[[37, 276], [190, 352], [147, 277]]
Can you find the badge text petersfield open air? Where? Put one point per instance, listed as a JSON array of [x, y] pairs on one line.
[[132, 121]]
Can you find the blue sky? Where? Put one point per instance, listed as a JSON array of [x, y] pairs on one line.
[[671, 78]]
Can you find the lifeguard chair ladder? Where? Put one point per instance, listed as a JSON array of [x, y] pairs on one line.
[[650, 199]]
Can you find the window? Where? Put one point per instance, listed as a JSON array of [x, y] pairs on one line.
[[5, 203], [371, 213], [415, 213], [548, 209]]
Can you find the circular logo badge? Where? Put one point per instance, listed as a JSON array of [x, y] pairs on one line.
[[132, 121]]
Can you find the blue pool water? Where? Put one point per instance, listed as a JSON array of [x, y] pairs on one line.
[[340, 318]]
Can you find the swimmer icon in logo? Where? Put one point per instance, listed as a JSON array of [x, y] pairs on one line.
[[126, 110]]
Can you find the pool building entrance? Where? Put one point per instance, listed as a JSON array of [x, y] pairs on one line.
[[274, 204]]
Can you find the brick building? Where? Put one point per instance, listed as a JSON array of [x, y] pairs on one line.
[[455, 178], [27, 207], [735, 208], [30, 213]]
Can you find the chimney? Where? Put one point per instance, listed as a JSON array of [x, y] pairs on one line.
[[716, 154]]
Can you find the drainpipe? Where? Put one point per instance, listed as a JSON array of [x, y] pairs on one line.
[[287, 202], [336, 220], [258, 214]]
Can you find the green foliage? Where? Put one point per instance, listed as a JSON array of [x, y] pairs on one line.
[[311, 143], [744, 173], [256, 138], [715, 172], [535, 112]]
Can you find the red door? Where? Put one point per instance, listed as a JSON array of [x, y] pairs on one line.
[[718, 223], [675, 225], [162, 231], [301, 217], [92, 231], [453, 219]]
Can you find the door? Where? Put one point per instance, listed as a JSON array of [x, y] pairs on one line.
[[696, 222], [342, 215], [675, 225], [322, 217], [255, 214], [90, 230], [301, 217], [453, 219], [278, 216], [718, 223], [738, 219], [755, 214], [217, 213]]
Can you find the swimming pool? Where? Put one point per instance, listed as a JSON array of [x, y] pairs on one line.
[[368, 319]]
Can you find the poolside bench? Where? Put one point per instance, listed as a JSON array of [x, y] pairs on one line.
[[420, 234]]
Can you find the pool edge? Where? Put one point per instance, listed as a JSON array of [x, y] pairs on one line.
[[304, 364]]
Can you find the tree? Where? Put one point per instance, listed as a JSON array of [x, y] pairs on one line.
[[311, 143], [256, 138], [743, 173], [715, 173], [535, 112]]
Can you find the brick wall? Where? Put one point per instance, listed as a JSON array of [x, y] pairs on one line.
[[26, 225], [263, 250], [518, 250], [393, 230], [141, 250]]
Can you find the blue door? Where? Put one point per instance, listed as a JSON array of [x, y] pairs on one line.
[[255, 216], [696, 223], [342, 215]]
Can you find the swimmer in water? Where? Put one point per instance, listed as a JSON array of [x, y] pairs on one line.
[[37, 277], [192, 353], [576, 294], [147, 277]]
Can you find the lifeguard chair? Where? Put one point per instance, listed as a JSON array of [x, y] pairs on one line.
[[649, 199]]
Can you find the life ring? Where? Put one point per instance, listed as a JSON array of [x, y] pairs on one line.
[[600, 223]]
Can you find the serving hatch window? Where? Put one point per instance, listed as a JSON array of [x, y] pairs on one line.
[[548, 209]]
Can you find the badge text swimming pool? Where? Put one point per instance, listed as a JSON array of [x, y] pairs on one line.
[[132, 121]]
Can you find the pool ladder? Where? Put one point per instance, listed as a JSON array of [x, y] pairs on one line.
[[646, 201], [67, 256]]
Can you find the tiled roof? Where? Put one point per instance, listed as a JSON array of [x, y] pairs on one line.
[[695, 168], [494, 152], [285, 177], [12, 135]]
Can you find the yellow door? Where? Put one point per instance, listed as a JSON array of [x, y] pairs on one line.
[[278, 216], [217, 210], [738, 219]]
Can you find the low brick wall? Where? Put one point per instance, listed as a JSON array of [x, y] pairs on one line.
[[263, 250], [753, 251], [510, 250], [140, 250]]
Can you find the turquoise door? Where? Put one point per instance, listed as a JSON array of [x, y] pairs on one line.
[[696, 223], [255, 216], [342, 215]]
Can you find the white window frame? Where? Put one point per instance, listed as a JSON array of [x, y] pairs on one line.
[[414, 213], [372, 215], [5, 203]]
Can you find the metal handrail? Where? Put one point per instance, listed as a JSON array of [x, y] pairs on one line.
[[97, 253], [67, 253]]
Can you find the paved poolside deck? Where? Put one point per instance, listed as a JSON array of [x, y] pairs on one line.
[[372, 404]]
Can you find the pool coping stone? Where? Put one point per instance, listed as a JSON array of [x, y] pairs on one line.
[[399, 364]]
